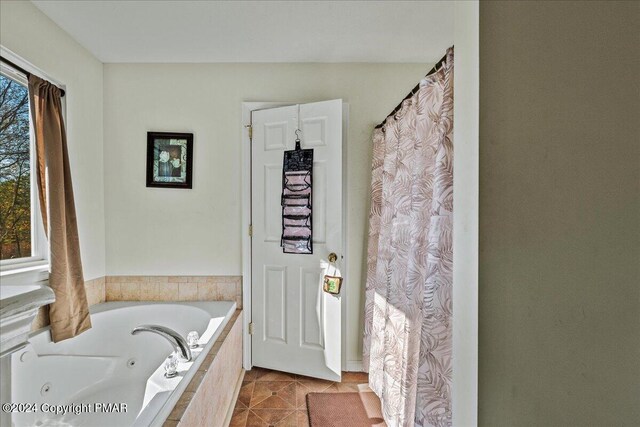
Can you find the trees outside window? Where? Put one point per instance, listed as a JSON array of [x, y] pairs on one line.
[[15, 171]]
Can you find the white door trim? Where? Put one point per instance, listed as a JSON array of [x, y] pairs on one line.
[[466, 181], [247, 108]]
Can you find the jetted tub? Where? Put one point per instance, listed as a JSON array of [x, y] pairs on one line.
[[106, 376]]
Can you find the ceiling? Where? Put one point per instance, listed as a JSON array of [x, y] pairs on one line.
[[257, 31]]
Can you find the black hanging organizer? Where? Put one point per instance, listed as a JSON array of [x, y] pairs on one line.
[[297, 179]]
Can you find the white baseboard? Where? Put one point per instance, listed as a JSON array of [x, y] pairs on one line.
[[354, 366]]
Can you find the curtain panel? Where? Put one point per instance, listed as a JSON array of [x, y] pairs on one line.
[[408, 299], [69, 314]]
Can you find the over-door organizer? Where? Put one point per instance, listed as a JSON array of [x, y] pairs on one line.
[[297, 179]]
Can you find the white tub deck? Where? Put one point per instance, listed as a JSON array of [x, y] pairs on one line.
[[98, 374]]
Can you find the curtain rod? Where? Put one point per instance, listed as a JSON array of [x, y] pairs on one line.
[[413, 91], [23, 71]]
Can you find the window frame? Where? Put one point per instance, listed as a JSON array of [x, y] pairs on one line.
[[38, 262]]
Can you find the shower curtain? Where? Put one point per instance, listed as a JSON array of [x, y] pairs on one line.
[[408, 303]]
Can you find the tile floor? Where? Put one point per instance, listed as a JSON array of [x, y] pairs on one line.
[[272, 398]]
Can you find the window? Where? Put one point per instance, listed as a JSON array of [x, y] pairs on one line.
[[21, 231]]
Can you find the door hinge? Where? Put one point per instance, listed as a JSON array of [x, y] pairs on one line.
[[250, 130], [250, 230], [250, 328]]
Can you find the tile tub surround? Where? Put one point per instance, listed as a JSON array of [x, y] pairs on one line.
[[174, 288], [156, 288], [209, 396]]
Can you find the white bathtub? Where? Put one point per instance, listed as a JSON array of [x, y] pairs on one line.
[[108, 365]]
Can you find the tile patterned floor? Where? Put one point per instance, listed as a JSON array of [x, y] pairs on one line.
[[272, 398]]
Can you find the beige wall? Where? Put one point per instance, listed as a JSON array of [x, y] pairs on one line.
[[27, 32], [206, 99], [559, 339]]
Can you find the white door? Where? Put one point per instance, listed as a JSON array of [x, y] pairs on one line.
[[296, 325]]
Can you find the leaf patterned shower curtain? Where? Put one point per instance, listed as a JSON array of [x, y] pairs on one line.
[[408, 308]]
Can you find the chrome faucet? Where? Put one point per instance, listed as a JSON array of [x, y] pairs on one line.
[[179, 343]]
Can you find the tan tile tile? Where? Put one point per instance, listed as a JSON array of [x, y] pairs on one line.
[[195, 381], [207, 292], [208, 360], [115, 279], [170, 423], [113, 291], [226, 292], [289, 421], [273, 402], [188, 291], [282, 398], [343, 388], [216, 347], [239, 302], [239, 418], [168, 291], [258, 372], [251, 374], [195, 414], [315, 385], [97, 294], [149, 292], [91, 282], [288, 394], [266, 389], [134, 279], [255, 421], [102, 290], [91, 293], [130, 291], [181, 406], [246, 391], [158, 279], [223, 334], [355, 377], [301, 396], [239, 288], [270, 416], [177, 279], [197, 279]]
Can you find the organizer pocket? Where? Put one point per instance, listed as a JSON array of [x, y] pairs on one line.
[[297, 181], [296, 245], [296, 200]]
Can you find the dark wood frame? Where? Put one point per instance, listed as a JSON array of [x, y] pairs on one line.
[[151, 137]]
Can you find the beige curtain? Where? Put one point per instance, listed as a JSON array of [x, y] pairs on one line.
[[69, 314], [408, 303]]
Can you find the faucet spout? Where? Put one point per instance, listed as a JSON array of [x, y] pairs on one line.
[[177, 342]]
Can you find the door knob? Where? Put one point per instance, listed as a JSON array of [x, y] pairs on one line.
[[333, 257]]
